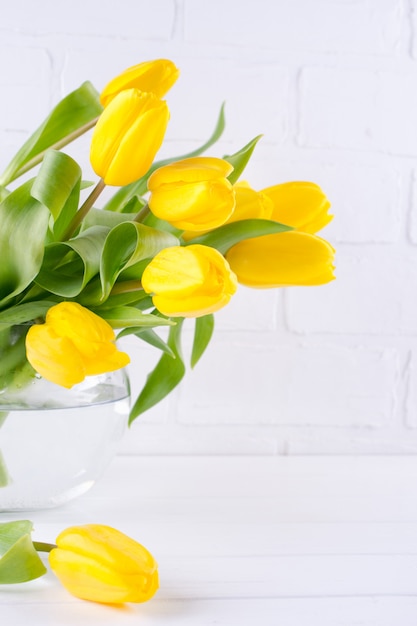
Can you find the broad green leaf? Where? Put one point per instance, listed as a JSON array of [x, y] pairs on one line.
[[24, 223], [71, 117], [204, 327], [167, 374], [68, 278], [136, 190], [19, 561], [125, 294], [27, 312], [149, 336], [57, 186], [127, 244], [240, 159], [226, 236], [98, 217], [125, 316]]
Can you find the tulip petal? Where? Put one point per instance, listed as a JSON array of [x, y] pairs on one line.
[[189, 281], [72, 344], [127, 136], [53, 357], [155, 77], [302, 205], [281, 260], [192, 194]]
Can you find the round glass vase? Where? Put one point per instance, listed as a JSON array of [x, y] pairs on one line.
[[54, 442]]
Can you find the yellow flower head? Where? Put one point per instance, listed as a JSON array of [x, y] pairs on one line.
[[155, 77], [250, 204], [189, 281], [192, 194], [282, 260], [127, 136], [72, 344], [101, 564], [301, 205]]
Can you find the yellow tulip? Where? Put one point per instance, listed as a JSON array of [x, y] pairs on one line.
[[250, 204], [101, 564], [189, 281], [155, 77], [72, 344], [192, 194], [282, 259], [127, 136], [301, 205]]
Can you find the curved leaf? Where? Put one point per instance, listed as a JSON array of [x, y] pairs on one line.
[[127, 244], [74, 112], [19, 561], [126, 316], [57, 186], [73, 275], [27, 312], [240, 159], [226, 236], [204, 327], [149, 336], [21, 254], [167, 374]]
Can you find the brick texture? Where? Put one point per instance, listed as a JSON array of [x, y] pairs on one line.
[[332, 86]]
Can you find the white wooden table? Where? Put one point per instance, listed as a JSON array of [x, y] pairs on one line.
[[247, 541]]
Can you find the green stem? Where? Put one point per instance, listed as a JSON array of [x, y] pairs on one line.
[[56, 146], [83, 210], [142, 214], [127, 286], [40, 546]]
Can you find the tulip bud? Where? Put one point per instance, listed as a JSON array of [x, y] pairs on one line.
[[282, 260], [155, 77], [101, 564], [72, 344], [127, 136], [301, 205], [189, 281], [192, 194]]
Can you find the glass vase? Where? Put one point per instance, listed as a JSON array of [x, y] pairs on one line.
[[55, 442]]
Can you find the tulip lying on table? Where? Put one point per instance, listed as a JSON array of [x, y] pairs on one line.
[[93, 562]]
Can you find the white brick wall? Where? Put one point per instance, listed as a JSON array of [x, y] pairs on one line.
[[332, 85]]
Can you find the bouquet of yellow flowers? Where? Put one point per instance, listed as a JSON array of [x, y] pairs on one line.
[[172, 242]]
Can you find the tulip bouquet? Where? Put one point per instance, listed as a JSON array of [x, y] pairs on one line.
[[172, 242]]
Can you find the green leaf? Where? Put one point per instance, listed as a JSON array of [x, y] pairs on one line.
[[98, 217], [57, 186], [127, 244], [224, 237], [124, 316], [70, 118], [240, 159], [136, 190], [167, 374], [204, 327], [149, 336], [19, 561], [24, 223], [68, 279], [27, 312]]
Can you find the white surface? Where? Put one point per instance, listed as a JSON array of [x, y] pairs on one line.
[[240, 541]]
